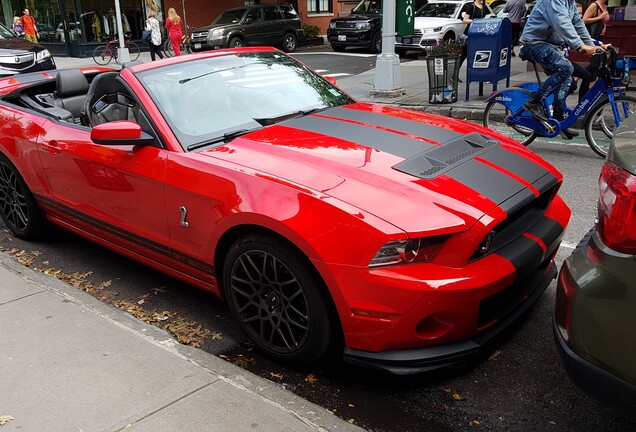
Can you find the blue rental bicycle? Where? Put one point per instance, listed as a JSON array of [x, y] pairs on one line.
[[605, 106]]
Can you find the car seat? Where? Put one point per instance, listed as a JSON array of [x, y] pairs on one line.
[[107, 100], [71, 87]]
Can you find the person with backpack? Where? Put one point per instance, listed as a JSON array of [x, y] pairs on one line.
[[154, 42], [30, 26], [17, 27], [596, 17]]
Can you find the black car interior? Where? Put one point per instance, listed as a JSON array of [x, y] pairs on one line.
[[72, 98]]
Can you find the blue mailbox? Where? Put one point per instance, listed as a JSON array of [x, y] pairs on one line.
[[489, 50]]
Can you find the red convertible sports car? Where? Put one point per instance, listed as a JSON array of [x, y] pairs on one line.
[[405, 240]]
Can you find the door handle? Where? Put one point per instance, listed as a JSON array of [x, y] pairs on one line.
[[52, 147]]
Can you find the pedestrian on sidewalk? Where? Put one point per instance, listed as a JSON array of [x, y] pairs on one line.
[[17, 27], [154, 27], [550, 24], [30, 26], [469, 13], [173, 25], [596, 18], [515, 9]]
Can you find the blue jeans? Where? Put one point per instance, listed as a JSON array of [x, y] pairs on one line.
[[557, 67]]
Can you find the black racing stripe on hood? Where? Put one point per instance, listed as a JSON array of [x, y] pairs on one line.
[[389, 142], [516, 164], [491, 183], [411, 127], [517, 201]]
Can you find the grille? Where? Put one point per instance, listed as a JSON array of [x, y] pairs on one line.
[[346, 24], [17, 62], [199, 35]]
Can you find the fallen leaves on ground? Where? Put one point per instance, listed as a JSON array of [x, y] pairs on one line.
[[474, 423], [311, 378], [457, 397], [4, 419], [277, 375]]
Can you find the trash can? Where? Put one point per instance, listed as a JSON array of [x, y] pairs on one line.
[[489, 49], [443, 76]]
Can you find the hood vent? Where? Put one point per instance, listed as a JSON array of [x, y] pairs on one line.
[[435, 161]]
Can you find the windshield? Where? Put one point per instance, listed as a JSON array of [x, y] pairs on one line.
[[230, 17], [439, 10], [210, 98], [368, 6], [5, 33]]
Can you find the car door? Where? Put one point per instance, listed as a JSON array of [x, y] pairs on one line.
[[116, 193], [274, 24], [255, 32]]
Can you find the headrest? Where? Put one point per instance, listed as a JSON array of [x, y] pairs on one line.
[[70, 82]]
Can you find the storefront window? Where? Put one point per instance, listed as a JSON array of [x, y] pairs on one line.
[[95, 19], [9, 9]]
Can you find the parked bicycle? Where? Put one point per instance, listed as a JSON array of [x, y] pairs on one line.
[[103, 54], [605, 106], [186, 46]]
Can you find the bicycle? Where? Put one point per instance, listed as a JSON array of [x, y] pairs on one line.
[[186, 46], [605, 106], [103, 54]]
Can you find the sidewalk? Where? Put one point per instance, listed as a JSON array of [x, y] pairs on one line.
[[69, 362]]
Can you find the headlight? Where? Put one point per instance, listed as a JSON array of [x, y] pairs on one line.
[[332, 24], [397, 252], [42, 55], [432, 30], [363, 25], [216, 33], [437, 29]]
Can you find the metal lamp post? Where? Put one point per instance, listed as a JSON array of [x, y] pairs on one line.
[[388, 81], [122, 52]]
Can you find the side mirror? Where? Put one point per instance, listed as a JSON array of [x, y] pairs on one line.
[[332, 80], [120, 133]]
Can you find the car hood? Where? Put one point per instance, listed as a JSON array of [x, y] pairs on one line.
[[17, 45], [357, 17], [418, 171], [426, 22]]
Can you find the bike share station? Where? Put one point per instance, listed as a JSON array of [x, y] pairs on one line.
[[489, 50]]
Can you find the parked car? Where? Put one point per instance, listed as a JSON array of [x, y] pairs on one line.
[[265, 25], [245, 173], [595, 309], [435, 22], [18, 55], [362, 28]]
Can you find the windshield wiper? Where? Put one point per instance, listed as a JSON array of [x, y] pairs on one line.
[[266, 121], [223, 138]]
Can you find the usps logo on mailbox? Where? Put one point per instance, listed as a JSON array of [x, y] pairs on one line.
[[503, 57], [482, 59]]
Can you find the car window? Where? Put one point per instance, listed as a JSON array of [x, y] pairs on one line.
[[230, 17], [271, 13], [368, 6], [289, 12], [5, 33], [439, 10], [255, 14], [206, 98]]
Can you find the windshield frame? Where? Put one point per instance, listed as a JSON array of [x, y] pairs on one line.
[[367, 7], [457, 7]]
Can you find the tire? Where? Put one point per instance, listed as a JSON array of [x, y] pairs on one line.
[[600, 124], [133, 51], [275, 296], [494, 118], [290, 42], [100, 58], [376, 43], [338, 48], [167, 49], [18, 208], [236, 42], [449, 36]]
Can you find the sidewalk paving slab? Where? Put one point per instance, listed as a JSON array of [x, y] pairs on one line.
[[69, 362]]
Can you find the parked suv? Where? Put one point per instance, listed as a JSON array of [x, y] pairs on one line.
[[363, 28], [267, 24]]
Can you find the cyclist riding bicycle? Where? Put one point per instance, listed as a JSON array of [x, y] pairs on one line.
[[550, 24]]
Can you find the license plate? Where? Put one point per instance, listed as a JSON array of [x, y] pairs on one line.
[[342, 38], [197, 46]]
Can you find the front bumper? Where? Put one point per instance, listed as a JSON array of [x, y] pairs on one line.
[[204, 44], [417, 360], [45, 64], [349, 37], [417, 42]]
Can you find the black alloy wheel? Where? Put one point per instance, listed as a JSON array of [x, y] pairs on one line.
[[376, 43], [236, 42], [276, 298], [18, 208], [289, 42]]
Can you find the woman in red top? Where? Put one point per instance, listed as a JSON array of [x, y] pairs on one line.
[[173, 25]]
